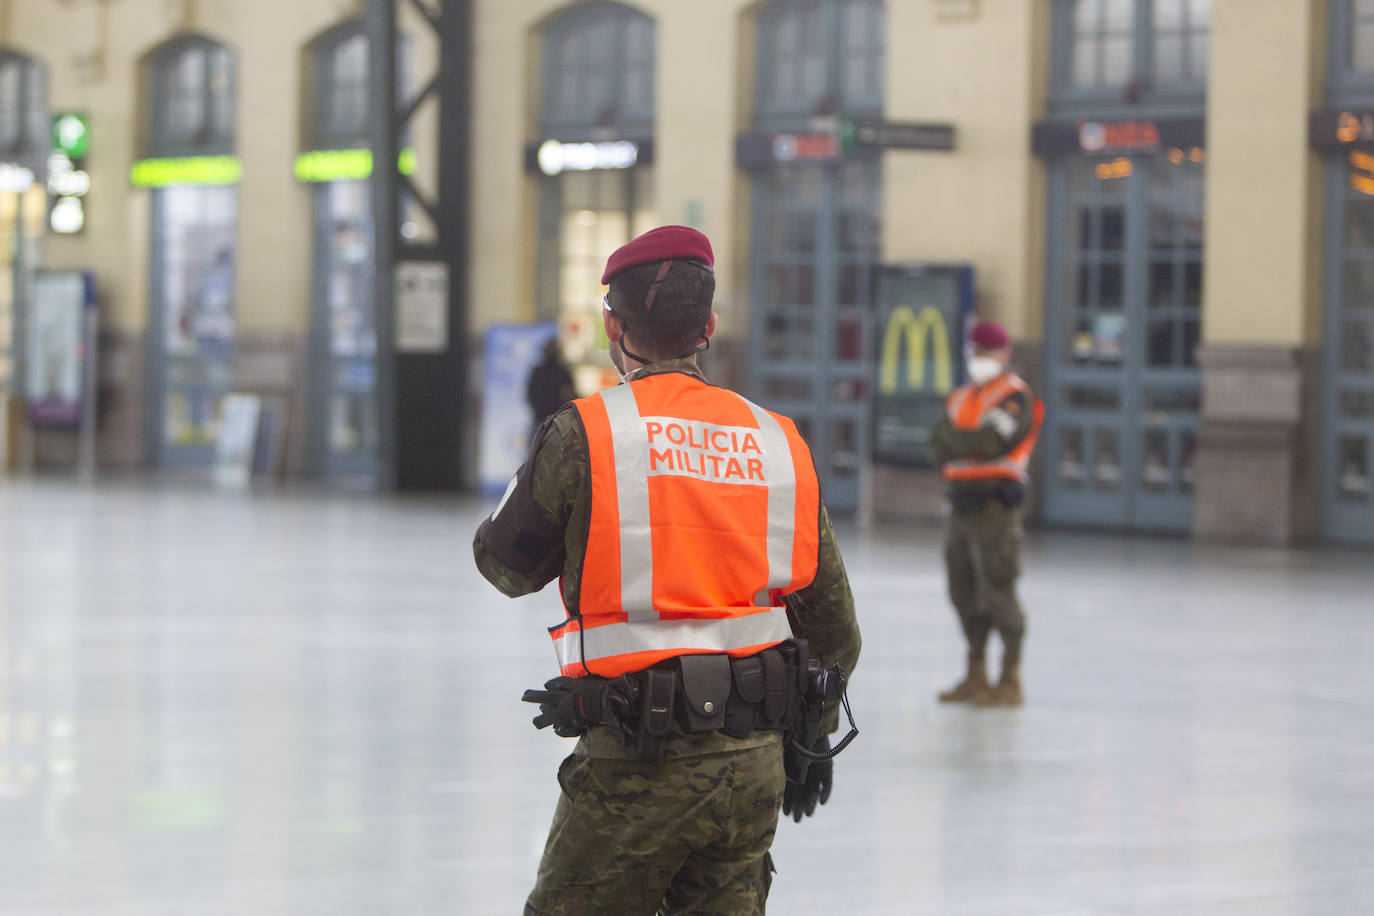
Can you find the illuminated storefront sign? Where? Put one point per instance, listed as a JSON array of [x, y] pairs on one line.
[[555, 156], [186, 170], [917, 331], [68, 181], [1114, 138], [14, 178], [830, 138], [320, 165], [1339, 129]]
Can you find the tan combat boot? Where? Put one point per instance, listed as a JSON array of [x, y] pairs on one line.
[[1008, 689], [973, 687]]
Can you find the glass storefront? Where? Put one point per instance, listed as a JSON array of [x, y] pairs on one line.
[[1347, 478], [193, 286], [589, 215], [595, 163], [345, 319], [816, 229], [191, 111], [1125, 321]]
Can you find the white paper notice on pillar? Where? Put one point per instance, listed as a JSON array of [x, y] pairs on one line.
[[421, 307]]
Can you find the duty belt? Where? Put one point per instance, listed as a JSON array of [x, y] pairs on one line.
[[780, 688]]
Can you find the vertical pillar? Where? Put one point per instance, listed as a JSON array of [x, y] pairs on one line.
[[1261, 289], [381, 105]]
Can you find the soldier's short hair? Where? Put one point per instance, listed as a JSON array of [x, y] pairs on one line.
[[681, 307]]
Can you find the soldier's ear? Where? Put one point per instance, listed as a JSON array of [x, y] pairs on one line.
[[612, 325]]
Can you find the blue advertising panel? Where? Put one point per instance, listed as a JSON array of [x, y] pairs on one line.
[[510, 352], [924, 312], [55, 363]]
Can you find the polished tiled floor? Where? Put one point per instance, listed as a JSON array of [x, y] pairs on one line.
[[217, 703]]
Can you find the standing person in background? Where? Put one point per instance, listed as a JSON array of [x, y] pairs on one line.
[[983, 446], [701, 580], [550, 385]]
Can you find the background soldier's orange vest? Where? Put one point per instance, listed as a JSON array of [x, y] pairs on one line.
[[705, 511], [969, 405]]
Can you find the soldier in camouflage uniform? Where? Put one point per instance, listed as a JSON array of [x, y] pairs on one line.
[[689, 833], [985, 468]]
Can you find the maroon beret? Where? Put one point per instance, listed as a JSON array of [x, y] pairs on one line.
[[989, 335], [666, 243]]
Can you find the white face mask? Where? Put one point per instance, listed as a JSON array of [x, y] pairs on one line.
[[983, 369]]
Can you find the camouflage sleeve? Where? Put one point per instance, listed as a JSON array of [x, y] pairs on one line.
[[823, 614], [1020, 405], [986, 443], [522, 546], [938, 449]]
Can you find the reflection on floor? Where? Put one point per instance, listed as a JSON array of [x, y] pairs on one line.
[[215, 703]]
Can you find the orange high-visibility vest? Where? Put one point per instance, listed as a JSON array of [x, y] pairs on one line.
[[968, 405], [705, 511]]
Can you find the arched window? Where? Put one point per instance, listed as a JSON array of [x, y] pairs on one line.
[[194, 90], [1155, 50], [339, 84], [599, 70], [23, 108], [819, 57]]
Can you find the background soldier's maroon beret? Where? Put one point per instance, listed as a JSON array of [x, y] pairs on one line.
[[666, 243], [989, 335]]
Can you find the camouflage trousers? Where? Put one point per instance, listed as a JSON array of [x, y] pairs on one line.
[[983, 561], [687, 835]]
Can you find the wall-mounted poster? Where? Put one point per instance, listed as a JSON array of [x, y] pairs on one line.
[[55, 354], [923, 312], [510, 355]]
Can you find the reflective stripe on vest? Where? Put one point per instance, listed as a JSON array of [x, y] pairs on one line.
[[967, 407], [704, 512]]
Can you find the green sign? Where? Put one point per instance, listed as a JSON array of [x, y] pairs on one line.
[[71, 134], [920, 341], [346, 164], [186, 170]]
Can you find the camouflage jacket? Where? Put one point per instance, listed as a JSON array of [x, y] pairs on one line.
[[551, 517], [949, 443]]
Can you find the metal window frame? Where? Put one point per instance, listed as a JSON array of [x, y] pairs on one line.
[[30, 151], [1336, 521], [1130, 505], [1344, 85], [771, 112], [573, 123], [159, 62], [842, 495], [1155, 101]]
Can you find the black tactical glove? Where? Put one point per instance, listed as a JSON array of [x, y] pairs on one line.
[[800, 799], [574, 704]]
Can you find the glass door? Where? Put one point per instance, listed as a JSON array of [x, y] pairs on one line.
[[1347, 477], [344, 345], [587, 216], [192, 321], [1124, 313], [816, 235]]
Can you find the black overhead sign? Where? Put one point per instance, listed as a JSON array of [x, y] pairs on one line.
[[1110, 138], [830, 139], [1339, 129]]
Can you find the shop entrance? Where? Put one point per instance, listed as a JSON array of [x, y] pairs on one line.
[[192, 319], [1123, 323], [816, 233], [343, 354], [1347, 453], [585, 217]]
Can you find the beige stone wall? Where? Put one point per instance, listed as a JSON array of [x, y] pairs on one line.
[[1264, 195], [984, 202]]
